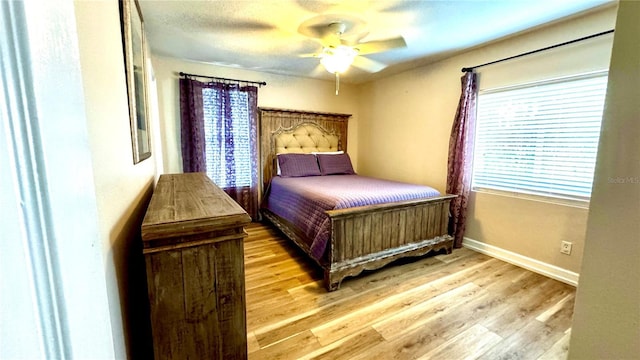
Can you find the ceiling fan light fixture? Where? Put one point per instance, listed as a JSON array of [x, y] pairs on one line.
[[337, 60]]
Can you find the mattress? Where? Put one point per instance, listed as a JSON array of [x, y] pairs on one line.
[[303, 201]]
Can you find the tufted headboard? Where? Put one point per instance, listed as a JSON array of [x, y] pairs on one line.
[[305, 138], [293, 131]]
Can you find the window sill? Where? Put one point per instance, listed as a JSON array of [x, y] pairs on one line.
[[581, 204]]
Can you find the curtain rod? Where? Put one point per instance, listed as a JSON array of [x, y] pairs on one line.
[[259, 83], [469, 69]]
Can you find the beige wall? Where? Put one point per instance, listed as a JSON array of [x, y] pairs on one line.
[[280, 92], [606, 322], [122, 188], [405, 122]]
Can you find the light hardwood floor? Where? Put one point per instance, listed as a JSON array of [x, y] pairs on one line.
[[460, 306]]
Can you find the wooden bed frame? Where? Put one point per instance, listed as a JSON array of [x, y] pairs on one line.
[[365, 237]]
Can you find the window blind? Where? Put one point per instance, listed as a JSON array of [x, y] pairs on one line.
[[540, 138]]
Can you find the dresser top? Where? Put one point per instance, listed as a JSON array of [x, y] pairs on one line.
[[188, 204]]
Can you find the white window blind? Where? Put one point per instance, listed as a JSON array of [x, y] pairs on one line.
[[540, 138], [228, 148]]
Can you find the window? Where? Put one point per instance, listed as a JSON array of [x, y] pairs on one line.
[[228, 138], [219, 132], [540, 138]]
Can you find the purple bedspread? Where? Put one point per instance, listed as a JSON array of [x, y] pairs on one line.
[[303, 200]]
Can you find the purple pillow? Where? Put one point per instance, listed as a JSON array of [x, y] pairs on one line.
[[335, 164], [296, 165]]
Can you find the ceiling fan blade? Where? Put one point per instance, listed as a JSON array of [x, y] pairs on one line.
[[330, 40], [314, 55], [375, 46], [235, 25], [318, 26], [353, 40], [367, 64], [322, 34]]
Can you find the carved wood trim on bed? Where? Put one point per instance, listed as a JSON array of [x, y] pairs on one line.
[[272, 120], [365, 237]]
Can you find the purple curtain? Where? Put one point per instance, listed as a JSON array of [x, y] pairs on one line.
[[461, 156], [192, 126], [220, 137]]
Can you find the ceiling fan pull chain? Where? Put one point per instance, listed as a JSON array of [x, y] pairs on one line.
[[337, 82]]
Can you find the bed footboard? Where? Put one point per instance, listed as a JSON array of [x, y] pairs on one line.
[[369, 237]]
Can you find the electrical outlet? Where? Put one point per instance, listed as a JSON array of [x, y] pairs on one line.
[[565, 248]]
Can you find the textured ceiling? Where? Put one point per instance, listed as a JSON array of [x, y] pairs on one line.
[[263, 35]]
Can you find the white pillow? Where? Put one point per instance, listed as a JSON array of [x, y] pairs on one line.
[[277, 165], [328, 152]]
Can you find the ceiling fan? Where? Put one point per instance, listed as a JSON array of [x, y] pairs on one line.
[[340, 37]]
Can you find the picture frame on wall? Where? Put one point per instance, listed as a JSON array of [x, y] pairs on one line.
[[134, 45]]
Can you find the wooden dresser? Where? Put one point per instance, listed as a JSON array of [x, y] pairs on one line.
[[192, 238]]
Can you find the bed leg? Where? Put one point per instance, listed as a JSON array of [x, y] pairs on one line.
[[330, 282]]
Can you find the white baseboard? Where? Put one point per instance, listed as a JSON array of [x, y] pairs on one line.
[[552, 271]]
